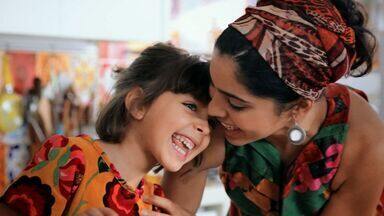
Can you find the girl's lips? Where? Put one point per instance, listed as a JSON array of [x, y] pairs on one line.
[[185, 140], [181, 153], [182, 145]]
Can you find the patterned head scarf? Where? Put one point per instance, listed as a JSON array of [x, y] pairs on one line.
[[306, 42]]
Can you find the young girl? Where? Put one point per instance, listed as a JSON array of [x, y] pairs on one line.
[[157, 115]]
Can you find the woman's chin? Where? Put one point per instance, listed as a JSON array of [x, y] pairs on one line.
[[240, 141]]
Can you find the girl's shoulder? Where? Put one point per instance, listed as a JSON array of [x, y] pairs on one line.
[[81, 142], [59, 150]]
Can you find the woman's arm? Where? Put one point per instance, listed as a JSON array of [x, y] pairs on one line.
[[362, 166]]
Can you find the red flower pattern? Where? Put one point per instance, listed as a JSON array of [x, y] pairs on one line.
[[71, 173], [304, 175], [28, 196], [121, 200], [42, 154]]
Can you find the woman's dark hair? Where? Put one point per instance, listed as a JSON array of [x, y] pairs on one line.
[[257, 75], [356, 16], [253, 71], [159, 68]]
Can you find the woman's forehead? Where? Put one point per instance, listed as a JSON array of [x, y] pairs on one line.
[[223, 74], [223, 70]]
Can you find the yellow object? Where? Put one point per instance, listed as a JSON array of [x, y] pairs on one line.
[[7, 76], [1, 71], [10, 112]]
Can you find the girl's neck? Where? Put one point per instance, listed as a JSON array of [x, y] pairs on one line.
[[130, 158]]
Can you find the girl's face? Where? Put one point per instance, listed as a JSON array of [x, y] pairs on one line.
[[245, 117], [175, 129]]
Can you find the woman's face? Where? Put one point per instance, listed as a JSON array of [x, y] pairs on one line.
[[175, 129], [245, 117]]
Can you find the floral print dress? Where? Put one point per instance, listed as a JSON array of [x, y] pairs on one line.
[[257, 183], [69, 175]]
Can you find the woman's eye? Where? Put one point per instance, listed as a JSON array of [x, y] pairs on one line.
[[235, 107], [190, 106]]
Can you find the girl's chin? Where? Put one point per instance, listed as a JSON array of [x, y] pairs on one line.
[[172, 168]]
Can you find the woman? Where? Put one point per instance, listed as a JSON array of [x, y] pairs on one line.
[[292, 142]]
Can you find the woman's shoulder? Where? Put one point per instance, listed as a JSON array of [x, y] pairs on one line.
[[364, 122], [365, 139]]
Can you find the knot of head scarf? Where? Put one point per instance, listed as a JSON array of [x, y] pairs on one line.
[[306, 42]]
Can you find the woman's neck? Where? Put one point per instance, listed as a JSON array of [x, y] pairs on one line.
[[130, 158], [311, 123]]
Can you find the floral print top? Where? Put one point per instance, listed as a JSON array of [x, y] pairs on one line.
[[69, 175], [257, 183]]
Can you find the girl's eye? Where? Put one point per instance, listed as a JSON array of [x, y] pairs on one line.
[[235, 107], [190, 106]]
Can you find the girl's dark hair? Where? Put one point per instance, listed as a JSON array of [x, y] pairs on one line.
[[257, 75], [159, 68]]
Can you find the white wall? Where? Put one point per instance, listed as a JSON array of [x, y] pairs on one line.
[[195, 25], [85, 19]]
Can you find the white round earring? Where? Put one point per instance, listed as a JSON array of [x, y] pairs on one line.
[[296, 134]]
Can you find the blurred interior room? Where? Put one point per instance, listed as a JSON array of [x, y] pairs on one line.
[[57, 57]]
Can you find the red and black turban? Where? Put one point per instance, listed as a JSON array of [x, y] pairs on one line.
[[306, 42]]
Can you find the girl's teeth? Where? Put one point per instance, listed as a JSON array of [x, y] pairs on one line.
[[181, 151], [184, 141]]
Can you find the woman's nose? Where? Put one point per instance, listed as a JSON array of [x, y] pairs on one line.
[[216, 106]]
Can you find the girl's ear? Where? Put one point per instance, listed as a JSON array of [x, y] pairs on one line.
[[133, 103]]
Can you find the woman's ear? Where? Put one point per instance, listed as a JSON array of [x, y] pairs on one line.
[[133, 103], [302, 107]]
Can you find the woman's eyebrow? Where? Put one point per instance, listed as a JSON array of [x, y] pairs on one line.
[[229, 94]]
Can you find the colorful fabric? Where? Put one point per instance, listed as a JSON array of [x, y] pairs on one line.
[[1, 69], [15, 154], [67, 176], [3, 166], [50, 65], [257, 183], [306, 42], [22, 65]]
